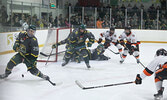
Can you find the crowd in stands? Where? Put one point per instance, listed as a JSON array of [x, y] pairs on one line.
[[102, 20]]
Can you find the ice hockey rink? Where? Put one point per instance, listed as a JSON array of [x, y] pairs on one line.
[[29, 87]]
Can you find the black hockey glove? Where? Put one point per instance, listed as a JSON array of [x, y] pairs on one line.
[[122, 42], [100, 40], [16, 47], [138, 79]]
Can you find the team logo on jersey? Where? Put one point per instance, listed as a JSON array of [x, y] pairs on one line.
[[36, 48]]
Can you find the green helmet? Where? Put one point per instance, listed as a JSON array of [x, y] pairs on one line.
[[33, 27], [82, 26]]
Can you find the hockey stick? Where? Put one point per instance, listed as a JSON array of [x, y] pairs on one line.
[[34, 66], [49, 57], [100, 86], [113, 51], [46, 55]]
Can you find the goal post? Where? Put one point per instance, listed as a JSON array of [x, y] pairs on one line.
[[54, 35]]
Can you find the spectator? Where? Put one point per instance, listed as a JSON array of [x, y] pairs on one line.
[[67, 24], [56, 22], [99, 23], [4, 15]]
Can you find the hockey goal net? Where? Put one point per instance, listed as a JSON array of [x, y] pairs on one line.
[[54, 35]]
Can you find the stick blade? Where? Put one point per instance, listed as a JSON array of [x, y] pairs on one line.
[[79, 84]]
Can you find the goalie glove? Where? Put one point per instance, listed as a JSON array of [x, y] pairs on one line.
[[100, 40]]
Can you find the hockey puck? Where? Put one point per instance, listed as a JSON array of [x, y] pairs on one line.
[[22, 75]]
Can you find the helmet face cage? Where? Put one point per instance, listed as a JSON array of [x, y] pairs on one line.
[[162, 52]]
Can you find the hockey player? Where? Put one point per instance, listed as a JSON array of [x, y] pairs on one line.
[[77, 43], [98, 53], [158, 66], [27, 47], [110, 37], [131, 46]]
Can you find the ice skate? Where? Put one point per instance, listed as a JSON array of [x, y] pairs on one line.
[[64, 63], [88, 66], [3, 76], [121, 61], [159, 95]]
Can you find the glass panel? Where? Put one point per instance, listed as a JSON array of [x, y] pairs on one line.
[[134, 18], [89, 17], [162, 24], [26, 15], [76, 16], [118, 17]]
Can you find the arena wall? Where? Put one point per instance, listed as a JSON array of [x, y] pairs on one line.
[[145, 36]]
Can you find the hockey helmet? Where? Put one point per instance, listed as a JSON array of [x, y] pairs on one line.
[[162, 52], [33, 27], [128, 28], [31, 30], [82, 26], [112, 28]]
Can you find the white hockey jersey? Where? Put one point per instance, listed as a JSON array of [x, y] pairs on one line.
[[130, 38], [153, 66], [106, 35]]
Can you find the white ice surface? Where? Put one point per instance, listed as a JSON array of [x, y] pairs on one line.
[[29, 87]]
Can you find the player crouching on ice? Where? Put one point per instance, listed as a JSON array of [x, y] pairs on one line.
[[160, 63], [98, 53], [94, 54], [131, 46], [110, 37], [76, 42], [26, 45]]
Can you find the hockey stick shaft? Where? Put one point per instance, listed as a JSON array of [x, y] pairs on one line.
[[49, 57], [46, 55], [113, 51], [54, 84], [101, 86]]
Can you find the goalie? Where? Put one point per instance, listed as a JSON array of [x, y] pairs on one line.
[[76, 43]]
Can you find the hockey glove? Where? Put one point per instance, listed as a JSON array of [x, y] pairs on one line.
[[122, 42], [16, 47], [138, 79], [54, 46], [100, 40], [89, 44]]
